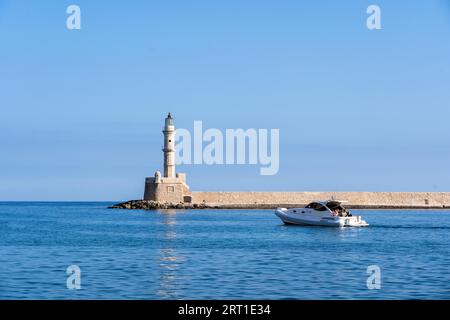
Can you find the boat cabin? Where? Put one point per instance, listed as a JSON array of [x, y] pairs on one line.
[[334, 207]]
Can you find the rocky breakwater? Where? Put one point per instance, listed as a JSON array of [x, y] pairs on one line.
[[155, 205]]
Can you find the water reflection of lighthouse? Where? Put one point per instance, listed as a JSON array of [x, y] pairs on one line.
[[169, 259]]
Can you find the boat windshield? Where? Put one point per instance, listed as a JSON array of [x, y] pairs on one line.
[[316, 206]]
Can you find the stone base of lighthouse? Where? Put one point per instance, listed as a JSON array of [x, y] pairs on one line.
[[167, 189]]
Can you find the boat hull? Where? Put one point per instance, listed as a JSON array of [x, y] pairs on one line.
[[319, 220]]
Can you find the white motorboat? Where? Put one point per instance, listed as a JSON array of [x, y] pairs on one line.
[[329, 213]]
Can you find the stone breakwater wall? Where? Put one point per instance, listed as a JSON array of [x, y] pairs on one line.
[[294, 199], [154, 205], [270, 200]]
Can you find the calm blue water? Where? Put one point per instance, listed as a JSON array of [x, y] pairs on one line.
[[217, 254]]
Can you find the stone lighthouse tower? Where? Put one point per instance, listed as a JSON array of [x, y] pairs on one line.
[[171, 187], [169, 147]]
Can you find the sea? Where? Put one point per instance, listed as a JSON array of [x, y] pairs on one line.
[[83, 250]]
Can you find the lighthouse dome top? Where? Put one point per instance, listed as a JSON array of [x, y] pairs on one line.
[[169, 120]]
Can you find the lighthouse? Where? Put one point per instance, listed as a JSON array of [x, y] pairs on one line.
[[169, 147], [171, 187]]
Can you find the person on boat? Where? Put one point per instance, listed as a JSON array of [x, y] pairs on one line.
[[340, 212]]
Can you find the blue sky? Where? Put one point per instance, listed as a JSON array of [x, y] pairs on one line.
[[358, 110]]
